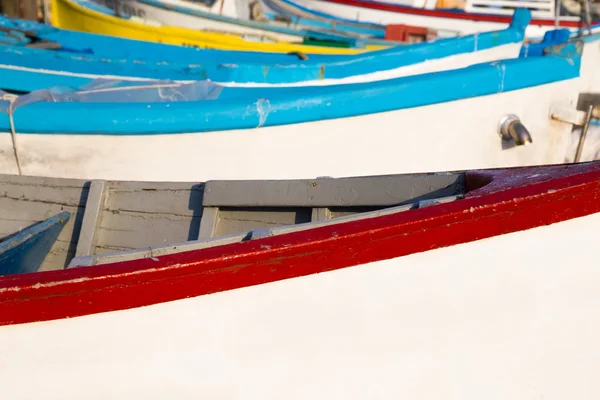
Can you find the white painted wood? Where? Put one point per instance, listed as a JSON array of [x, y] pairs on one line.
[[73, 74], [590, 65], [92, 217], [385, 17], [441, 137], [507, 317], [507, 51], [210, 216], [539, 8]]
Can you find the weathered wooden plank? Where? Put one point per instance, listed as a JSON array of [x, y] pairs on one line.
[[129, 230], [338, 212], [31, 209], [42, 181], [208, 224], [26, 250], [320, 214], [91, 218], [10, 227], [203, 243], [364, 191], [59, 256], [42, 191], [243, 220], [182, 200], [25, 201], [61, 252]]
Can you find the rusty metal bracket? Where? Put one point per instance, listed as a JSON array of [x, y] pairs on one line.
[[577, 118], [584, 130], [569, 115]]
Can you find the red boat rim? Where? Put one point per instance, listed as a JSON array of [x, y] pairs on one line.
[[452, 14], [498, 202]]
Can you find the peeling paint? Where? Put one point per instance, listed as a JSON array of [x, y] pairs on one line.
[[502, 73], [322, 72], [40, 285], [263, 107]]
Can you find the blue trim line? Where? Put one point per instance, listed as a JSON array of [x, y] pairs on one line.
[[116, 47], [241, 72], [244, 108]]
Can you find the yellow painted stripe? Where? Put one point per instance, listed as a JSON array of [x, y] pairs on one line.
[[69, 15]]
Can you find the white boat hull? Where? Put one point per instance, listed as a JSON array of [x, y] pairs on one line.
[[590, 62], [512, 316], [446, 136]]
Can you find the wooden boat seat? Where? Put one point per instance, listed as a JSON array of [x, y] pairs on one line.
[[239, 206]]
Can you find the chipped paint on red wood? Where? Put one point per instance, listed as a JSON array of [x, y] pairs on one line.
[[512, 200], [438, 13]]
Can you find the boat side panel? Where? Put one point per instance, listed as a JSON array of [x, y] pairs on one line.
[[338, 147], [245, 108], [373, 15], [496, 327], [590, 62]]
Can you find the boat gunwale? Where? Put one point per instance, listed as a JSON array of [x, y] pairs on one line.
[[248, 108], [65, 63]]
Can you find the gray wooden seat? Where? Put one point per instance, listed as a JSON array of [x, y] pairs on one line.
[[238, 206]]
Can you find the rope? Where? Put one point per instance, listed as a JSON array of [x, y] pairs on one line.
[[11, 98]]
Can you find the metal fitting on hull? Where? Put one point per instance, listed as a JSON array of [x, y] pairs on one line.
[[511, 128]]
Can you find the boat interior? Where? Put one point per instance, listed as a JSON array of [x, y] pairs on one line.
[[95, 222]]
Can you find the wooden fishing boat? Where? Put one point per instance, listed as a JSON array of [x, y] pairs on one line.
[[190, 15], [478, 15], [590, 60], [112, 47], [484, 116], [278, 10], [83, 16], [474, 21], [373, 297], [28, 69]]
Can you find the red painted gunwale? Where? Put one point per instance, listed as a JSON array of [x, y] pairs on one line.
[[502, 201], [374, 5]]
